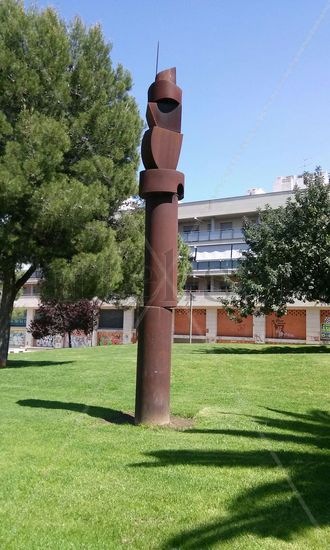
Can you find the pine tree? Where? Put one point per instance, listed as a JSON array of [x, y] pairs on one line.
[[69, 132]]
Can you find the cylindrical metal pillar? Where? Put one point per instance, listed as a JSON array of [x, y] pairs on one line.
[[161, 235], [154, 366], [161, 186]]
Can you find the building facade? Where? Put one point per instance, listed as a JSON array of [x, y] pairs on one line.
[[213, 231]]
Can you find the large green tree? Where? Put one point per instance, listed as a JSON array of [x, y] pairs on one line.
[[289, 253], [69, 132]]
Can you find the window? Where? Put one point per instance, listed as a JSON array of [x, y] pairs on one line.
[[187, 228], [226, 264], [27, 290], [111, 318], [226, 226], [203, 265], [193, 285], [213, 252], [226, 230], [18, 318], [36, 290]]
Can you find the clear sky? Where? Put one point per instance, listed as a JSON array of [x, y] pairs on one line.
[[255, 79]]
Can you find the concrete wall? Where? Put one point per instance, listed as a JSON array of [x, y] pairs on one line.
[[259, 329], [313, 325], [210, 324]]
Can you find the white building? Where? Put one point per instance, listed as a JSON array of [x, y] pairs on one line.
[[213, 230], [289, 183]]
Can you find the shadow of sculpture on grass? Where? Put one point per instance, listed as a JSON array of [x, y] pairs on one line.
[[312, 429], [280, 509], [254, 349], [22, 364], [104, 413]]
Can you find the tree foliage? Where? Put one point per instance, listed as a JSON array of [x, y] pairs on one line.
[[130, 236], [69, 132], [63, 318], [289, 254], [184, 264]]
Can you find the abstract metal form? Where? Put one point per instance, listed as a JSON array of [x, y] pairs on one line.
[[161, 185]]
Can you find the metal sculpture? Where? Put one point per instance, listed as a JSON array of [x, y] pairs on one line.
[[161, 186]]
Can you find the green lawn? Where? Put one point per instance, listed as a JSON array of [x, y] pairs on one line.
[[252, 472]]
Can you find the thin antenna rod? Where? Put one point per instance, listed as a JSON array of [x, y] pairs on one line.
[[157, 56]]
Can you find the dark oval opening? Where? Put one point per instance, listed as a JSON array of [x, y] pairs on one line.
[[180, 191], [167, 105]]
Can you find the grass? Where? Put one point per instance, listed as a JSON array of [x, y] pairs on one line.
[[253, 471]]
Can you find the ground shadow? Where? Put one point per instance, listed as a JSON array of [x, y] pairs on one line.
[[236, 349], [305, 429], [22, 364], [109, 415], [297, 502]]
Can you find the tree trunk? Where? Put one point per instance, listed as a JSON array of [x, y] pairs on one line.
[[10, 288], [70, 343], [6, 309]]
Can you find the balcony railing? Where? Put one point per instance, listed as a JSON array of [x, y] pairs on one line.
[[197, 236], [215, 264], [207, 293]]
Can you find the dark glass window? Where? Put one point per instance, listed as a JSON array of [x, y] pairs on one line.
[[111, 318], [226, 264], [191, 285], [27, 290], [18, 318], [36, 290], [226, 226]]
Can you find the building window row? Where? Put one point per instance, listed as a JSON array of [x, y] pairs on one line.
[[208, 235], [215, 264]]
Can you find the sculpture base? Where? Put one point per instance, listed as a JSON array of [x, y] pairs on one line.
[[154, 366]]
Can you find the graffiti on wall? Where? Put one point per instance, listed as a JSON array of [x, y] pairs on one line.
[[289, 326], [279, 329], [80, 340], [49, 342], [107, 338], [46, 342], [325, 328], [17, 338]]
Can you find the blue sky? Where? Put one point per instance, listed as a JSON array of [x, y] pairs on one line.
[[255, 78]]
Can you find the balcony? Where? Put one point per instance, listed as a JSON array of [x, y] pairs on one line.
[[223, 265], [202, 298], [198, 236]]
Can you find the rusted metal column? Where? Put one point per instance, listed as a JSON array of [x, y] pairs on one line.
[[161, 186]]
